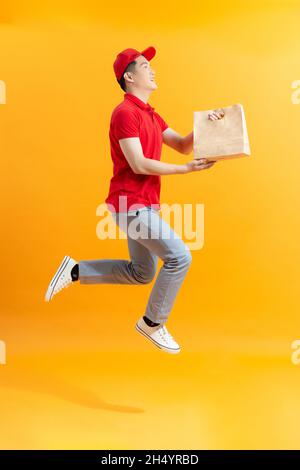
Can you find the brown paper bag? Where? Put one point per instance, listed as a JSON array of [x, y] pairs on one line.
[[222, 138]]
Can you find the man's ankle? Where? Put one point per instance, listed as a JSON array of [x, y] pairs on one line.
[[149, 322], [75, 272]]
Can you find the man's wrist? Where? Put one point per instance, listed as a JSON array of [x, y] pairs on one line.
[[183, 169]]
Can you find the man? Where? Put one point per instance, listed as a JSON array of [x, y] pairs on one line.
[[136, 136]]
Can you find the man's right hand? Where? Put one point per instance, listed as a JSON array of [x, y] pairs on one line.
[[198, 164]]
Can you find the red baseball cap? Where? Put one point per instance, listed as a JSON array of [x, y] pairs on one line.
[[128, 55]]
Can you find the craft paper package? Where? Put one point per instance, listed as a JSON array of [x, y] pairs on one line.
[[222, 138]]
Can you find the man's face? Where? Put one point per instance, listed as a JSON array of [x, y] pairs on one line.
[[144, 75]]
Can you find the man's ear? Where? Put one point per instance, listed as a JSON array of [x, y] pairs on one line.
[[128, 76]]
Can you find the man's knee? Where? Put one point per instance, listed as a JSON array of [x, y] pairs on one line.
[[188, 256], [144, 275], [180, 260], [185, 258]]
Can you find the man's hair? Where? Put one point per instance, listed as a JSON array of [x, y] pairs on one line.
[[130, 68]]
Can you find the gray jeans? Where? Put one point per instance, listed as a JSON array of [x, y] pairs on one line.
[[160, 241]]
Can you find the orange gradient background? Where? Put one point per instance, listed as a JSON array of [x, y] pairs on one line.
[[77, 374]]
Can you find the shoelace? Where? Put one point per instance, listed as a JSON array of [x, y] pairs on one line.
[[63, 284], [164, 332]]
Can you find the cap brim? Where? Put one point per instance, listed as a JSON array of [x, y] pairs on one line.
[[149, 53]]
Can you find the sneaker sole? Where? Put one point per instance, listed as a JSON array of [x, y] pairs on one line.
[[54, 280], [164, 348]]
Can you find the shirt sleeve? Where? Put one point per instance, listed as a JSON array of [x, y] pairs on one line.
[[126, 124], [162, 122]]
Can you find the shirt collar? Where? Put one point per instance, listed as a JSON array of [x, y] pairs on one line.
[[139, 102]]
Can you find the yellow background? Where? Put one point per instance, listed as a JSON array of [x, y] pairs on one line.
[[78, 375]]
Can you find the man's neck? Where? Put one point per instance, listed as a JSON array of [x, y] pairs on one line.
[[142, 95]]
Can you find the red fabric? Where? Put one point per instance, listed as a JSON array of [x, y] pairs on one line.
[[134, 118]]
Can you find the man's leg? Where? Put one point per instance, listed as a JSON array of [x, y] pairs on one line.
[[140, 269], [166, 244]]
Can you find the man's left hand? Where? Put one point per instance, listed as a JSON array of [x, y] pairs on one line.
[[216, 114]]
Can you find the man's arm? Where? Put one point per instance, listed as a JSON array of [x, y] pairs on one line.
[[133, 151], [172, 139], [177, 142], [185, 144], [188, 143]]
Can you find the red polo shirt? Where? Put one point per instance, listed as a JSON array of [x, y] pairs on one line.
[[134, 118]]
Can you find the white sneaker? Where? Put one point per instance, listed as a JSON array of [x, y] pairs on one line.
[[159, 336], [61, 279]]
